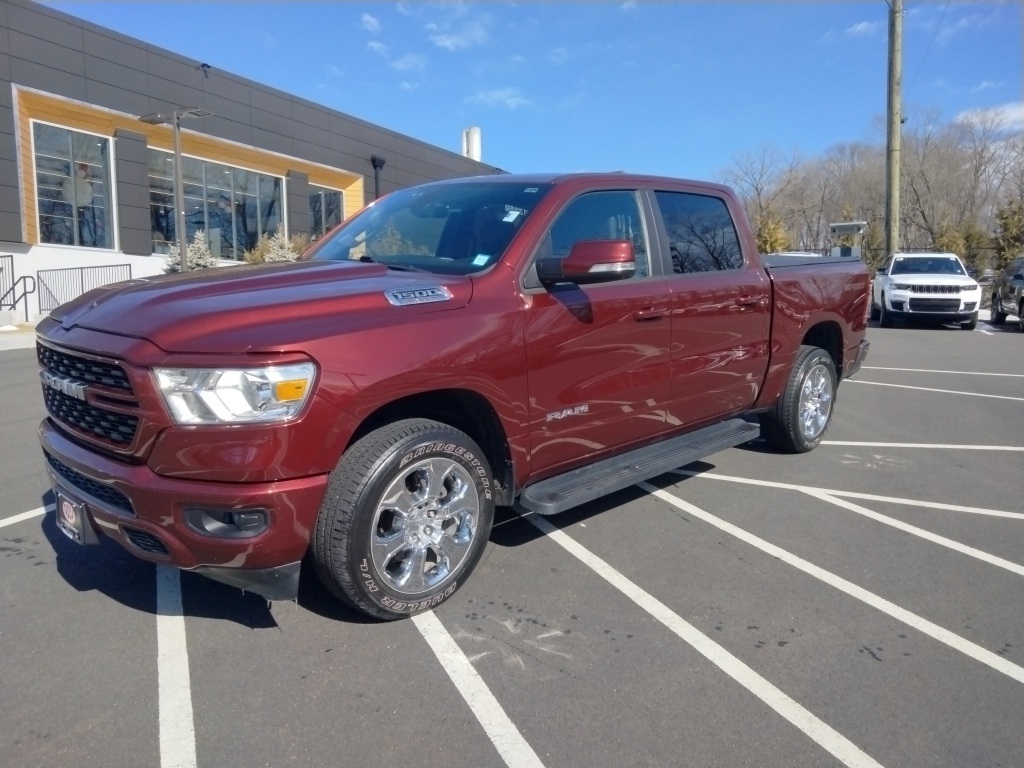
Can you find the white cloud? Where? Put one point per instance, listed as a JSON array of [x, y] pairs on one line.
[[510, 98], [370, 23], [334, 71], [864, 28], [1011, 116], [409, 63], [470, 34], [985, 85], [405, 85], [629, 5], [560, 55], [377, 47]]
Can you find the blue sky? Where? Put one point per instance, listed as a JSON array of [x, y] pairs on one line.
[[674, 88]]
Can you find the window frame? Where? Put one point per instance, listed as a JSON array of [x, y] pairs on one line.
[[529, 282], [111, 200], [665, 242], [283, 216], [341, 209]]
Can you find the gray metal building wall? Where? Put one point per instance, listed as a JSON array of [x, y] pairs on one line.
[[54, 52]]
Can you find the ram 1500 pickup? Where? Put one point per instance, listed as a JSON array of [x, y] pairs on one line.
[[540, 340]]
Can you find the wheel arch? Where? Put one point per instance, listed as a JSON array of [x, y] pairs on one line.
[[467, 411], [827, 335]]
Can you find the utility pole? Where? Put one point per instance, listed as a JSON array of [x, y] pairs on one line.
[[894, 114]]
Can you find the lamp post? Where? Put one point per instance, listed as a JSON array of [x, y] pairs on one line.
[[173, 119]]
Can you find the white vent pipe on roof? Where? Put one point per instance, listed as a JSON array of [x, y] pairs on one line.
[[471, 147]]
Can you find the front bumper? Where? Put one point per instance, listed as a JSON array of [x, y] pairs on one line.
[[155, 517], [946, 309]]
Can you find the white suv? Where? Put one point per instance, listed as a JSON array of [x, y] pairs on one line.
[[925, 286]]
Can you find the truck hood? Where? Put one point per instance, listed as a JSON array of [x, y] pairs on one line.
[[261, 308], [927, 279]]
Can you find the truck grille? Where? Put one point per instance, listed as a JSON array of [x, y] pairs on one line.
[[116, 427], [82, 369], [86, 486], [82, 413], [935, 305]]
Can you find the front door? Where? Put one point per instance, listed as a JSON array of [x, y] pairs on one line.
[[597, 354]]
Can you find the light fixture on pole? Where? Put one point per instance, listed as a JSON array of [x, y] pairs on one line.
[[377, 162], [173, 119]]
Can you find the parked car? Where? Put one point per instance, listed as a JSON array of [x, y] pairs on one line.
[[1008, 293], [925, 286]]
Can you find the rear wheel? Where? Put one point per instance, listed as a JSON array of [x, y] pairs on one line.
[[800, 418], [875, 312], [405, 519], [995, 316]]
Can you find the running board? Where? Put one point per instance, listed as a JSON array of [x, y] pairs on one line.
[[562, 492]]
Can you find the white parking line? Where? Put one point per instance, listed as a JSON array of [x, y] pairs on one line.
[[852, 494], [504, 735], [928, 370], [820, 732], [930, 389], [922, 533], [177, 728], [4, 522], [919, 623], [1011, 448]]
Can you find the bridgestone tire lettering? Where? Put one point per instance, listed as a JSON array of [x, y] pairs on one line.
[[358, 506]]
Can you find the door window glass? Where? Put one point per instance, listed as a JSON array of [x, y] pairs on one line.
[[701, 234], [600, 216]]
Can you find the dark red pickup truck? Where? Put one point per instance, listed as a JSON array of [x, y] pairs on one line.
[[454, 346]]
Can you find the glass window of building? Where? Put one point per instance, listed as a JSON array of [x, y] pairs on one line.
[[233, 206], [72, 187], [324, 210]]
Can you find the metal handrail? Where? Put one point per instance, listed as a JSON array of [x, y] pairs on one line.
[[23, 281]]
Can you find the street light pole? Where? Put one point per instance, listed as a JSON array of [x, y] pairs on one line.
[[174, 120]]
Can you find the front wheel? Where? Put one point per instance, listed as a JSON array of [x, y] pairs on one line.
[[995, 316], [971, 324], [405, 519], [884, 316], [803, 413]]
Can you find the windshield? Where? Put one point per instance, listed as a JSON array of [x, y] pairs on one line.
[[933, 265], [450, 228]]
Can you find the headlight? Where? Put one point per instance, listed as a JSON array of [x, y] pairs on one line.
[[235, 395], [901, 286], [968, 288]]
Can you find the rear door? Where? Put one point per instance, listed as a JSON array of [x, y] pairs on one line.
[[721, 309], [597, 354]]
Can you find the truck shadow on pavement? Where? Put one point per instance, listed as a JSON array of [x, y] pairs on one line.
[[111, 570]]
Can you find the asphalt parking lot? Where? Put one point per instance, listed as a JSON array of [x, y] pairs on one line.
[[859, 605]]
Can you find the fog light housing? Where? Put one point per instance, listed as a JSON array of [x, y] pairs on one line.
[[227, 523]]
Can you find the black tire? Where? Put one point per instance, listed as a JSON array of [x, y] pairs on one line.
[[884, 316], [391, 559], [995, 316], [1020, 317], [971, 324], [802, 415], [875, 311]]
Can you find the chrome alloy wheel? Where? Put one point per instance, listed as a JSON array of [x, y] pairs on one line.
[[815, 404], [424, 525]]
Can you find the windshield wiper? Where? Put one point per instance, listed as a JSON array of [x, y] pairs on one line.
[[396, 267]]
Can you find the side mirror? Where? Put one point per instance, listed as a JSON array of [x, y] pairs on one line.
[[590, 261]]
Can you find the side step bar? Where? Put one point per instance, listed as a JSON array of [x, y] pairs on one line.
[[562, 492]]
